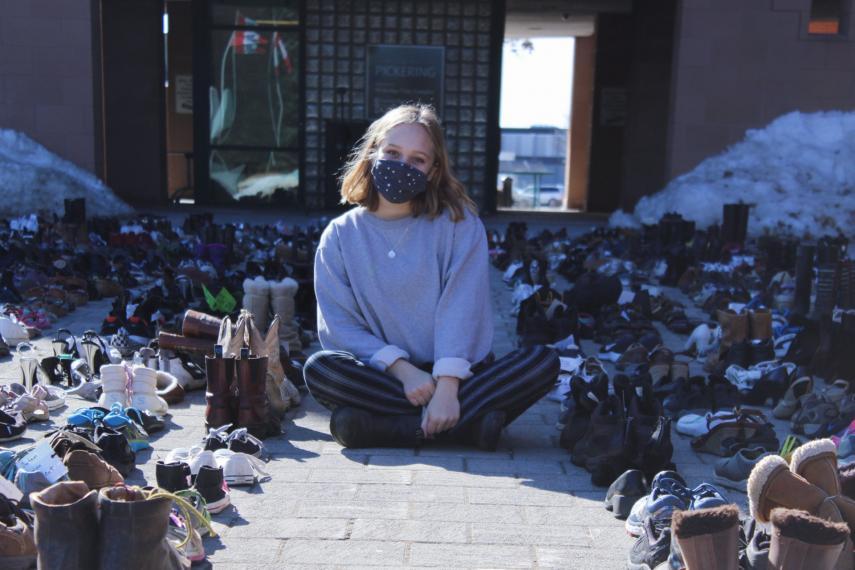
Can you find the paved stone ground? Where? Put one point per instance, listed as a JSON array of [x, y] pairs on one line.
[[523, 506]]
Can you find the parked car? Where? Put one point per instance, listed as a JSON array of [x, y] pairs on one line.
[[550, 196]]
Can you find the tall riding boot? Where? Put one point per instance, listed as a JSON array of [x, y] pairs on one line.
[[734, 327], [253, 409], [219, 396], [200, 325], [760, 321], [804, 278], [355, 428], [133, 530], [66, 526]]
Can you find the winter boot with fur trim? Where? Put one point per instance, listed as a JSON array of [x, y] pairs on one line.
[[256, 300], [816, 461], [708, 538], [282, 295], [772, 484], [66, 526], [801, 541]]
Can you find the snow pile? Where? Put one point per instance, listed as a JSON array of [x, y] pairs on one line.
[[798, 172], [33, 179]]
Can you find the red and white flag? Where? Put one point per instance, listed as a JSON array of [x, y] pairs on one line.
[[247, 42]]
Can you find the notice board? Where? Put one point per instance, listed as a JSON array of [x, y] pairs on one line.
[[404, 74]]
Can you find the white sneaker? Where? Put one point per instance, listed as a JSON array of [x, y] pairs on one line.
[[239, 468], [196, 462]]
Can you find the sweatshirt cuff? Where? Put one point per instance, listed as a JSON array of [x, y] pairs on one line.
[[452, 366], [386, 357]]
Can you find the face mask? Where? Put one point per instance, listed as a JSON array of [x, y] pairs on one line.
[[397, 181]]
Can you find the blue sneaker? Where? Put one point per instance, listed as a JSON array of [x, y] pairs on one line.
[[87, 417], [667, 493], [706, 496]]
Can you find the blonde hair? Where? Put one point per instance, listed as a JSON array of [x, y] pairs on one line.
[[444, 189]]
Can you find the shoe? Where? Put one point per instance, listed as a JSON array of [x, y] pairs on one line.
[[667, 492], [772, 385], [217, 438], [12, 425], [173, 476], [114, 383], [66, 516], [708, 538], [355, 428], [168, 388], [115, 449], [239, 468], [654, 455], [733, 472], [88, 467], [652, 546], [772, 484], [688, 396], [624, 492], [17, 542], [745, 425], [706, 496], [634, 356], [485, 431], [608, 422], [734, 327], [133, 528], [204, 458], [253, 405], [695, 425], [816, 461], [188, 374], [585, 399], [220, 396], [256, 300], [143, 391], [793, 398], [210, 483], [804, 542], [30, 482]]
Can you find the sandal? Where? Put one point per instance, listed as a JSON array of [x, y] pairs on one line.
[[64, 344], [31, 408]]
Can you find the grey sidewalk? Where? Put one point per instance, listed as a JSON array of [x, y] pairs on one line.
[[523, 506]]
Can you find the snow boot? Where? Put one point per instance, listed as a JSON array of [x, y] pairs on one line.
[[772, 484], [816, 461], [282, 295], [801, 541], [256, 300], [708, 538], [114, 383], [144, 391], [66, 526]]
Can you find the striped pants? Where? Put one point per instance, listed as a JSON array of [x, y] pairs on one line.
[[511, 384]]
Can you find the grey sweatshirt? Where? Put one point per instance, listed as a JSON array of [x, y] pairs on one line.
[[430, 303]]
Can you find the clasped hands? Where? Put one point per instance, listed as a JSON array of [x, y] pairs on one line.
[[443, 407]]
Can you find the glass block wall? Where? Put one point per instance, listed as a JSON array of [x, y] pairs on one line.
[[337, 34]]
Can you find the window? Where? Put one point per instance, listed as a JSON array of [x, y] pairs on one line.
[[825, 17]]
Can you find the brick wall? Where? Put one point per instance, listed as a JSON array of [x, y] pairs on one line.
[[46, 75], [739, 64]]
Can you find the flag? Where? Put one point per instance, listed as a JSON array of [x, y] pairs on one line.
[[280, 54], [247, 42]]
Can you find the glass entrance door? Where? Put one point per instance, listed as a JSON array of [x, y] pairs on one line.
[[254, 102]]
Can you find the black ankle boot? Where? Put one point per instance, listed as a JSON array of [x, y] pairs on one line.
[[355, 428]]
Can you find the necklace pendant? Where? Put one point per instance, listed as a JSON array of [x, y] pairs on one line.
[[391, 254]]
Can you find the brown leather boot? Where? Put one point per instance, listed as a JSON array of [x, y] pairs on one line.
[[251, 375], [220, 397], [772, 484], [197, 324], [816, 461], [801, 541], [760, 322], [734, 327]]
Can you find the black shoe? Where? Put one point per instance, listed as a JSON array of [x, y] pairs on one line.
[[762, 351], [585, 399], [172, 476], [115, 449], [613, 457], [655, 454], [739, 354], [486, 430], [653, 546], [624, 492], [689, 395], [355, 428], [209, 483], [607, 424], [772, 385]]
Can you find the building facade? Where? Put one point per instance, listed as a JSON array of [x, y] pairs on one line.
[[242, 102]]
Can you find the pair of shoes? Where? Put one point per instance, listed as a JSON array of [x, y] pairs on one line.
[[237, 382], [239, 441], [116, 527], [132, 386], [238, 468], [208, 481], [809, 483]]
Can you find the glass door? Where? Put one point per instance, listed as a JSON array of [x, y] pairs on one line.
[[254, 102]]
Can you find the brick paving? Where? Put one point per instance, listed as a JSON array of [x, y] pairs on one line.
[[524, 506]]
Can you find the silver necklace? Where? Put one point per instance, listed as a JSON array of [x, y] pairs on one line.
[[391, 253]]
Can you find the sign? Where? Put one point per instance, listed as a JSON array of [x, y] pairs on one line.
[[184, 94], [404, 74]]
